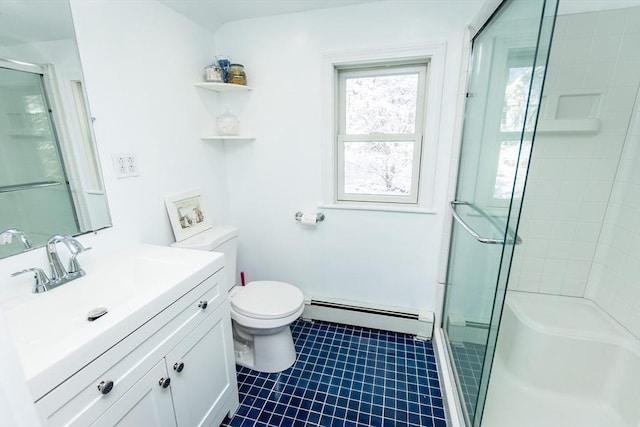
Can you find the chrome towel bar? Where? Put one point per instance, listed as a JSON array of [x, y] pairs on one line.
[[498, 226]]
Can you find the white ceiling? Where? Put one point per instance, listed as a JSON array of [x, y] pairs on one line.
[[211, 14]]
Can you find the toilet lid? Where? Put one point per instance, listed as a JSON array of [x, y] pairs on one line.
[[267, 300]]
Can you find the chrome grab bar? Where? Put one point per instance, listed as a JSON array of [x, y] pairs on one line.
[[487, 240]]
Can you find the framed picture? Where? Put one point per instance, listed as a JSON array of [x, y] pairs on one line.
[[187, 214]]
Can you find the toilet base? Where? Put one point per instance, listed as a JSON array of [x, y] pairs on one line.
[[266, 353]]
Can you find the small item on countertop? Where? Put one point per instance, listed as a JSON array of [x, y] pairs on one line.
[[237, 76], [96, 313], [213, 73]]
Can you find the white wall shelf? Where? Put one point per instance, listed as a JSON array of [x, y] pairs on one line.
[[224, 87], [564, 126], [229, 138]]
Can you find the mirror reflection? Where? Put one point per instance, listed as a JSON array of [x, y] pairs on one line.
[[50, 178]]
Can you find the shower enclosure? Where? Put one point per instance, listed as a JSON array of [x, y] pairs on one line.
[[508, 65], [35, 195], [556, 272]]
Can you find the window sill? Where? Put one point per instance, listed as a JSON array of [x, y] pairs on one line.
[[373, 207]]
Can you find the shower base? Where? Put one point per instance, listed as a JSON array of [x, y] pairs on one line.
[[560, 362]]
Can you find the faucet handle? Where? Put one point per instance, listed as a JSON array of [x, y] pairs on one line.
[[74, 266], [40, 279], [75, 248]]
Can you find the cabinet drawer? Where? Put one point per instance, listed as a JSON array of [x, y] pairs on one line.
[[78, 401]]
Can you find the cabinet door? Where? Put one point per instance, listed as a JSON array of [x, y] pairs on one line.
[[147, 403], [206, 382]]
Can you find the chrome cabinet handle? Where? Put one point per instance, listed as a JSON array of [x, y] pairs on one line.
[[203, 305], [178, 367], [515, 239], [164, 382]]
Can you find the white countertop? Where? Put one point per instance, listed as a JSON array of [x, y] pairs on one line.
[[51, 332]]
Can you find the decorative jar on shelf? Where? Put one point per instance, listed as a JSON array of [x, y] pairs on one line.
[[228, 124], [237, 75], [213, 74]]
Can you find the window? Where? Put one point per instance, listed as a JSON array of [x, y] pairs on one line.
[[513, 117], [380, 115]]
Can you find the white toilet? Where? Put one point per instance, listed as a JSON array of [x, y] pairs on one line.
[[261, 311]]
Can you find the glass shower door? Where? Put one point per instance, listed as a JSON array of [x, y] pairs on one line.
[[35, 196], [508, 64]]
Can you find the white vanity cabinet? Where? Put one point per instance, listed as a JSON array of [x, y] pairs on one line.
[[176, 369], [144, 404]]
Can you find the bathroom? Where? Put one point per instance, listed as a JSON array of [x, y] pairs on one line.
[[140, 61]]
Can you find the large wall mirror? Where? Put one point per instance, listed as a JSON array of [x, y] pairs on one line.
[[50, 177]]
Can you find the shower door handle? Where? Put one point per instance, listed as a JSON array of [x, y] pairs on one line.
[[515, 239]]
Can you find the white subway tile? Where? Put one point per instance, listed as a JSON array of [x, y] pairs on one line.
[[570, 76], [605, 49], [626, 73], [564, 230], [629, 47], [568, 210], [551, 285], [621, 98], [592, 211], [588, 231], [582, 251], [576, 51], [610, 22], [577, 270], [559, 249], [598, 75], [573, 288], [554, 268], [577, 168], [581, 25], [597, 191]]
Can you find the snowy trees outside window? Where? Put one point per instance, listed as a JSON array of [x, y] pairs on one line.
[[380, 133]]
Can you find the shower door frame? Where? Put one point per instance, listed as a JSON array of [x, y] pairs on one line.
[[453, 402]]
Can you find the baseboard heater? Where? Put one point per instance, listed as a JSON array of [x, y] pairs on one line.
[[414, 322]]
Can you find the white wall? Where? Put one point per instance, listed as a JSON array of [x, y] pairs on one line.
[[614, 283], [140, 61], [386, 258], [572, 175]]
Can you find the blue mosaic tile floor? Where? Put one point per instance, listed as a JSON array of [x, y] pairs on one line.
[[468, 358], [345, 376]]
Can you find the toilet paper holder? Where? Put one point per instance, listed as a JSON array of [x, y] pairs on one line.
[[319, 217]]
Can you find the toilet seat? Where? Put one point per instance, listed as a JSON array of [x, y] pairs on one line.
[[267, 300]]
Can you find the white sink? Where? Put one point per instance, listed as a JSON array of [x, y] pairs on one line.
[[51, 330]]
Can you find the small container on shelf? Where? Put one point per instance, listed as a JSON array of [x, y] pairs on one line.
[[237, 75], [223, 62], [227, 124], [213, 74]]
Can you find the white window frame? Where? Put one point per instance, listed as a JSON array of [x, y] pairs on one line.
[[384, 69], [435, 54]]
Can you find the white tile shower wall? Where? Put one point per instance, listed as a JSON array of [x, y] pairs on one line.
[[572, 175], [614, 283]]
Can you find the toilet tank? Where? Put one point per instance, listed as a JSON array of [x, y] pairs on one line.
[[219, 238]]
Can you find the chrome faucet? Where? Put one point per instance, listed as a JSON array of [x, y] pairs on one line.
[[58, 272], [20, 235], [59, 275]]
